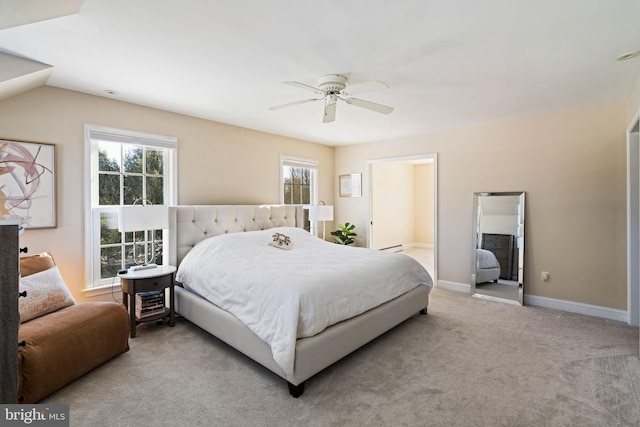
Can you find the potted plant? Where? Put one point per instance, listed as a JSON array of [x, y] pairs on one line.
[[344, 235]]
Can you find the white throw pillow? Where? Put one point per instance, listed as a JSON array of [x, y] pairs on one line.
[[281, 241], [46, 292]]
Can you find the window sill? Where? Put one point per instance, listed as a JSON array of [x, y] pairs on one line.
[[102, 290]]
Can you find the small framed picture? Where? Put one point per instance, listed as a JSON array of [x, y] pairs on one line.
[[351, 185]]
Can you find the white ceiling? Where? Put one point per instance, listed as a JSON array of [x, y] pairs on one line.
[[449, 64]]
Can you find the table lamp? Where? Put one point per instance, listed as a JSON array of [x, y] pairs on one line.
[[143, 217], [321, 212]]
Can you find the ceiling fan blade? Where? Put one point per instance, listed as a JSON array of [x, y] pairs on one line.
[[290, 104], [304, 86], [330, 109], [379, 108], [365, 87]]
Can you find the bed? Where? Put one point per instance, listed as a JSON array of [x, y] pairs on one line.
[[200, 235], [487, 266]]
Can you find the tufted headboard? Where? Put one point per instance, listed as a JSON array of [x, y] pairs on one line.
[[189, 224]]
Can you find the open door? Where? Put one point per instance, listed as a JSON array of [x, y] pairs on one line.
[[402, 205]]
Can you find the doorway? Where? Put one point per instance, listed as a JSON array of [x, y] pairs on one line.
[[403, 207]]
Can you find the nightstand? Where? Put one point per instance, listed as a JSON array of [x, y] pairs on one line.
[[153, 279]]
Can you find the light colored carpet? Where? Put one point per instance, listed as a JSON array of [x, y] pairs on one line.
[[469, 362]]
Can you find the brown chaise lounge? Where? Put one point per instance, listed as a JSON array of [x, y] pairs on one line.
[[63, 345]]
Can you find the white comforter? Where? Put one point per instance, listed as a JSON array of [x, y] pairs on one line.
[[282, 295]]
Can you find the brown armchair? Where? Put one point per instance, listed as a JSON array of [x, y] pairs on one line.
[[61, 346]]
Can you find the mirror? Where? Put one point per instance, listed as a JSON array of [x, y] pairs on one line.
[[498, 251]]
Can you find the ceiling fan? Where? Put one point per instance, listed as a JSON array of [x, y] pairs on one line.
[[333, 87]]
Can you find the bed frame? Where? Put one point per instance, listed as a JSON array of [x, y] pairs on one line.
[[188, 225]]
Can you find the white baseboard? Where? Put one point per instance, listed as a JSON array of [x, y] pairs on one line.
[[556, 304], [577, 307], [454, 286], [417, 245]]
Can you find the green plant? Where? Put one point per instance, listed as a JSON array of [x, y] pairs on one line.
[[344, 234]]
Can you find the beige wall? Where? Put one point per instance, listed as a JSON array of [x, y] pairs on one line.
[[572, 167], [633, 105], [571, 164], [402, 204], [393, 205], [217, 163], [424, 197]]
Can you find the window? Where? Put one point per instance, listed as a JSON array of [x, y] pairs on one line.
[[299, 184], [123, 167]]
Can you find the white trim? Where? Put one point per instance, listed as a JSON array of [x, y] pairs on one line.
[[123, 136], [454, 286], [633, 222], [303, 162], [434, 156], [552, 303], [102, 133], [577, 307], [89, 182], [103, 290]]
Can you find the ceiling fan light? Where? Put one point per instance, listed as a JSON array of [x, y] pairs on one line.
[[332, 87]]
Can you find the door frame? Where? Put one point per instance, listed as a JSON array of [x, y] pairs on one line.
[[369, 198], [633, 221]]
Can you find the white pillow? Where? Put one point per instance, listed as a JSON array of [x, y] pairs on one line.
[[46, 292]]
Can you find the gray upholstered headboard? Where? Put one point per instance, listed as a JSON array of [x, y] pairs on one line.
[[189, 224]]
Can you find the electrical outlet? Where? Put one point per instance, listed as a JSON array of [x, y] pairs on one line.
[[545, 276]]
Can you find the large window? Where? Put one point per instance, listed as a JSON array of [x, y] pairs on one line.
[[300, 184], [124, 168]]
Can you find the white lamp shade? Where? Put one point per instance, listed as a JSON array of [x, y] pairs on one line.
[[147, 217], [321, 213]]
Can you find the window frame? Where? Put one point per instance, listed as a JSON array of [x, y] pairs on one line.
[[313, 165], [92, 135]]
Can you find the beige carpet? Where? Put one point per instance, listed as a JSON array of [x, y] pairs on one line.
[[470, 362]]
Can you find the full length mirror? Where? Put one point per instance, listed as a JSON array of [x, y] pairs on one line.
[[498, 252]]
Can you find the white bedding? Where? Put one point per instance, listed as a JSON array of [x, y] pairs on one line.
[[282, 295]]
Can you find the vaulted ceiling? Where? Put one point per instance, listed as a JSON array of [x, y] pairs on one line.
[[447, 64]]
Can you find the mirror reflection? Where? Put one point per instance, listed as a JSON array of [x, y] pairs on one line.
[[498, 253]]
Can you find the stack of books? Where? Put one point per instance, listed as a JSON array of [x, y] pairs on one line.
[[149, 303]]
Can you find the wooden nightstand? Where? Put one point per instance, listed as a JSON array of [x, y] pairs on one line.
[[152, 279]]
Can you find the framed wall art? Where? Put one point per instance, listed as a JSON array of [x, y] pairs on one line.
[[351, 185], [27, 183]]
